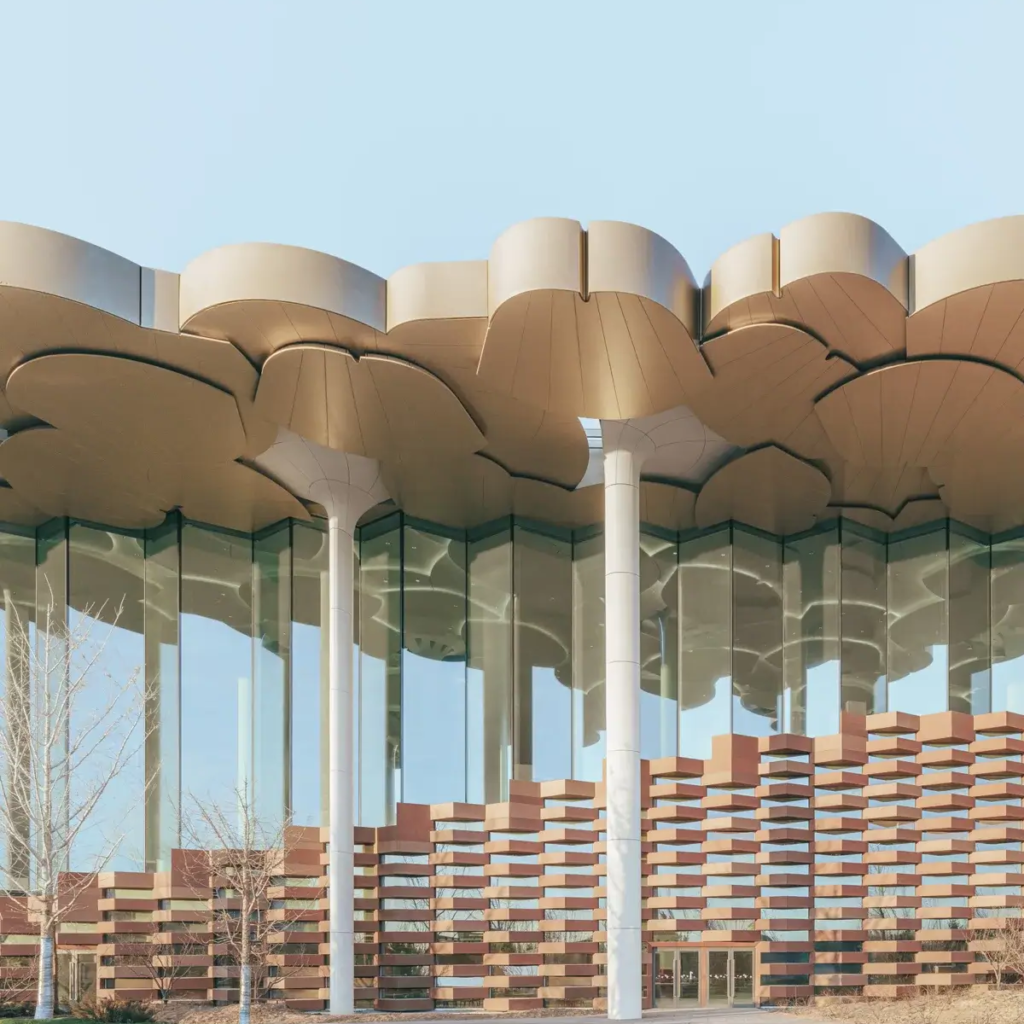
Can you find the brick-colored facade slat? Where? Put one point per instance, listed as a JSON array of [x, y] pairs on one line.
[[882, 840]]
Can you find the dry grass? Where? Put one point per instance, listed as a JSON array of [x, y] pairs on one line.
[[192, 1013], [983, 1007]]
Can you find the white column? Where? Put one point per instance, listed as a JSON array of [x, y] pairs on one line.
[[346, 486], [340, 786], [625, 448]]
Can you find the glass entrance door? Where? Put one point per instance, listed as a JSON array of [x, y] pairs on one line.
[[676, 978], [742, 977], [730, 977], [76, 977]]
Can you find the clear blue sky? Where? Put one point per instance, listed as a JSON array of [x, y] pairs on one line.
[[395, 132]]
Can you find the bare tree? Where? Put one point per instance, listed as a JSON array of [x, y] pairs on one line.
[[68, 729], [163, 963], [248, 859], [1003, 948], [17, 973]]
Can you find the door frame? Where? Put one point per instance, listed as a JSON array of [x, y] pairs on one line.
[[703, 953]]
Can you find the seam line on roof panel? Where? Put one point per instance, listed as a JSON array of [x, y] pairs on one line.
[[584, 263], [524, 476], [929, 357]]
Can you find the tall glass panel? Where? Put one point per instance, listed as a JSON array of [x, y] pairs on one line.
[[588, 660], [434, 668], [49, 638], [163, 680], [659, 646], [17, 579], [216, 669], [489, 675], [380, 671], [705, 645], [970, 673], [543, 659], [309, 691], [863, 622], [106, 617], [1007, 597], [918, 658], [810, 666], [272, 614], [756, 634]]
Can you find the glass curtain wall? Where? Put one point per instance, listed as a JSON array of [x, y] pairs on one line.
[[105, 617], [542, 654], [659, 645], [480, 656], [433, 666], [309, 679], [17, 576], [811, 633], [489, 665], [1007, 624]]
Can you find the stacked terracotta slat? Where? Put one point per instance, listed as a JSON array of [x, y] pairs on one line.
[[879, 861], [177, 911]]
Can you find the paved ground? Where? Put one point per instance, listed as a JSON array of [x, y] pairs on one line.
[[746, 1016]]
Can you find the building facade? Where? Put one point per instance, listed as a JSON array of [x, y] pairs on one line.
[[553, 561]]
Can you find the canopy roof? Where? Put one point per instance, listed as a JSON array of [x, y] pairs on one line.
[[824, 370]]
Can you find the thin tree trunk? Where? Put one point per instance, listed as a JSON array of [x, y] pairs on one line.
[[44, 990], [245, 995]]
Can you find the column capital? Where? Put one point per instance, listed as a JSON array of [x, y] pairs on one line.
[[345, 485], [676, 437]]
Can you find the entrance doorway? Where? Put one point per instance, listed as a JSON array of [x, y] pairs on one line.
[[676, 977], [727, 977], [730, 977], [76, 977]]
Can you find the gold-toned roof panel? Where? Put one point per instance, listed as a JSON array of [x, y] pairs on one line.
[[767, 488], [126, 405], [34, 259], [376, 406], [987, 253], [873, 383], [917, 413], [766, 378], [62, 476]]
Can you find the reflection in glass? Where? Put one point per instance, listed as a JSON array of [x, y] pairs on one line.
[[970, 674], [17, 576], [917, 634], [489, 675], [542, 581], [811, 634], [434, 668], [49, 636], [659, 646], [705, 649], [309, 665], [216, 667], [756, 633], [588, 666], [163, 718], [1007, 599], [380, 671], [863, 622], [271, 663], [106, 590]]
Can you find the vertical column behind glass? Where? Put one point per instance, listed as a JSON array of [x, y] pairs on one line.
[[163, 679]]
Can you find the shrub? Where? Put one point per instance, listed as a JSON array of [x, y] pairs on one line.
[[16, 1008], [112, 1011]]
